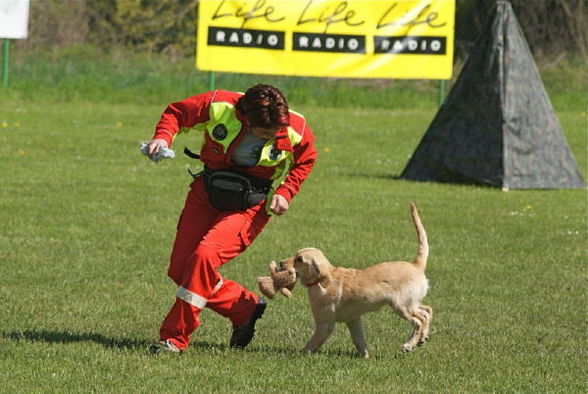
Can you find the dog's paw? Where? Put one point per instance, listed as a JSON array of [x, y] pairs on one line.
[[424, 314], [407, 347]]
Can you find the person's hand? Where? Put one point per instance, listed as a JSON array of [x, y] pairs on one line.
[[155, 145], [279, 204]]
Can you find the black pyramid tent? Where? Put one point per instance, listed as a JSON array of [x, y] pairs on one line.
[[497, 126]]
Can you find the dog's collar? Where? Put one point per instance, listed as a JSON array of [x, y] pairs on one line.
[[311, 283]]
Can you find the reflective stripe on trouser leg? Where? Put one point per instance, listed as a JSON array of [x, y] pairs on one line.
[[185, 311], [194, 299], [191, 297], [218, 286]]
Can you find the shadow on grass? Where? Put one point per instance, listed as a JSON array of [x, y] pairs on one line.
[[252, 348], [271, 350], [65, 337], [278, 351], [69, 337], [398, 177]]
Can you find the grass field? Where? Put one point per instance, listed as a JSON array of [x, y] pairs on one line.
[[86, 226]]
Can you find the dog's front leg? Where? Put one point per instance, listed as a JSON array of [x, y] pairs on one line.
[[322, 331], [358, 335]]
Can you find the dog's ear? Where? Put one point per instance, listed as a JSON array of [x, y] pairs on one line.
[[322, 275], [315, 269]]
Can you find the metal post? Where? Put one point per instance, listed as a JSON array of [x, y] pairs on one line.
[[442, 84], [5, 63], [211, 80]]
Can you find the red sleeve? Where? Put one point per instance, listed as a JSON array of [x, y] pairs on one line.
[[304, 158], [185, 113]]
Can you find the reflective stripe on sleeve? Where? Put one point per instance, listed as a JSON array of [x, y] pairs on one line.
[[191, 298]]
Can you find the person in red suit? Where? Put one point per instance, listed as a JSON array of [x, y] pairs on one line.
[[256, 154]]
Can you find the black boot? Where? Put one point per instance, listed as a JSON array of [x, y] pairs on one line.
[[243, 334]]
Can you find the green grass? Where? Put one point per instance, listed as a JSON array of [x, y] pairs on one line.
[[86, 226], [88, 74], [85, 73]]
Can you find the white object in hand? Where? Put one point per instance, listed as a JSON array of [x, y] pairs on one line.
[[164, 153]]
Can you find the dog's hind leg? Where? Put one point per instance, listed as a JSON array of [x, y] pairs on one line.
[[322, 331], [427, 313], [417, 322], [358, 335]]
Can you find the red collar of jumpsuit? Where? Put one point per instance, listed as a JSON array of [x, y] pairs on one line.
[[205, 238]]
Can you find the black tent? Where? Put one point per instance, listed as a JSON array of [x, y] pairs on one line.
[[497, 126]]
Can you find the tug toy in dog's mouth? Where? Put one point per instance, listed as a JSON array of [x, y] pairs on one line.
[[282, 281]]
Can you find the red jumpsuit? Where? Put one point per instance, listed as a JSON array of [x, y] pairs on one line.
[[207, 238]]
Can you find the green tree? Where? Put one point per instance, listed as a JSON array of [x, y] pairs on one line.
[[163, 26]]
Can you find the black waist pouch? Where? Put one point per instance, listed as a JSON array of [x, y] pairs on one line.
[[231, 191]]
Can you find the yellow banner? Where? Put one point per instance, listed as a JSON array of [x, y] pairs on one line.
[[410, 39]]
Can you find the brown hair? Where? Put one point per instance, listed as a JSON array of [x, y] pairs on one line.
[[264, 106]]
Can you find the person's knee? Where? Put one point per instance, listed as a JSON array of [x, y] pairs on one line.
[[205, 256], [201, 267], [178, 262]]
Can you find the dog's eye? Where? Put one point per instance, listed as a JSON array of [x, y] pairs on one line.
[[298, 260]]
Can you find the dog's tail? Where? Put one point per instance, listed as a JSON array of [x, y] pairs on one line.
[[423, 252]]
